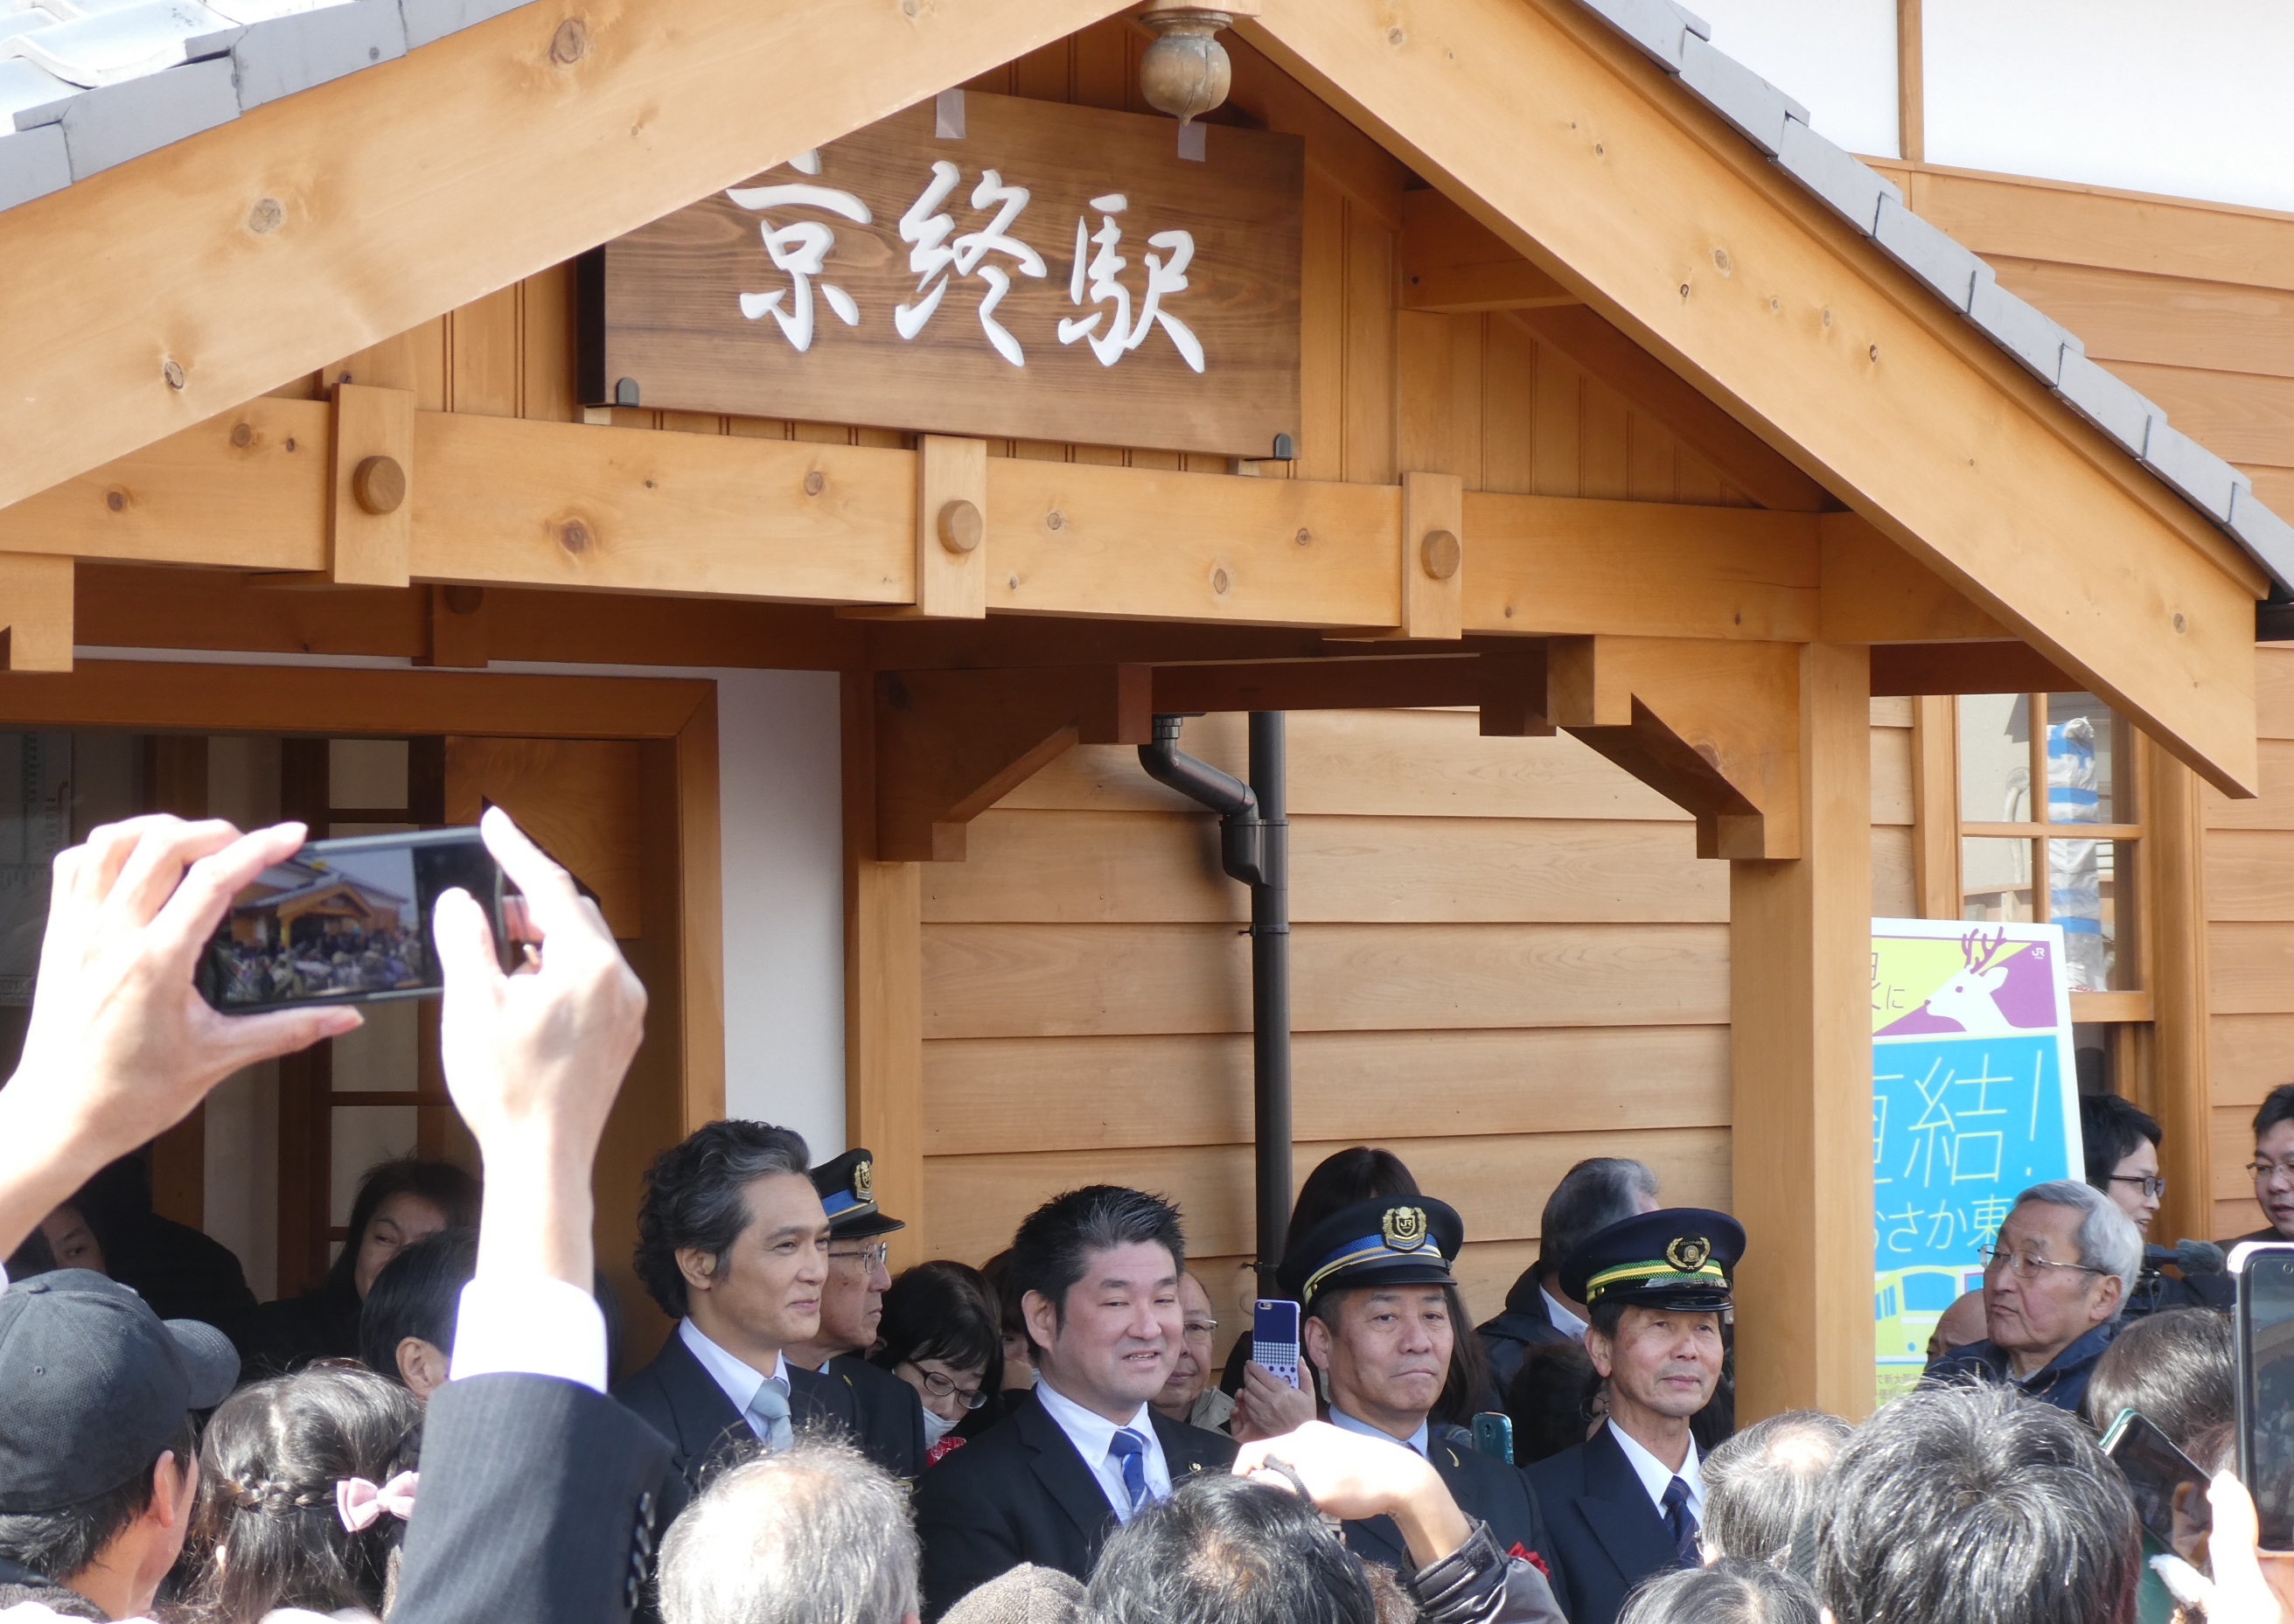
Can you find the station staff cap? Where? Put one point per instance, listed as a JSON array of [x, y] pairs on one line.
[[1392, 1240], [847, 1191], [1682, 1258]]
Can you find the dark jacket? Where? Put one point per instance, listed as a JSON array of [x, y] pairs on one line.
[[284, 1336], [1020, 1492], [888, 1415], [1525, 1322], [1486, 1489], [678, 1399], [1607, 1534], [2061, 1380]]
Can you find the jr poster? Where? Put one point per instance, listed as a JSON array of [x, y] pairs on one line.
[[1974, 1098]]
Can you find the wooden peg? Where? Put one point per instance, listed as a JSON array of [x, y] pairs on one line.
[[961, 527], [379, 484]]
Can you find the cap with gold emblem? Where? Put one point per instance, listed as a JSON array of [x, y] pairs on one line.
[[1681, 1258], [848, 1189], [1392, 1240]]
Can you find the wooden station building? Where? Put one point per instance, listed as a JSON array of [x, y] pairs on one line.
[[1616, 483]]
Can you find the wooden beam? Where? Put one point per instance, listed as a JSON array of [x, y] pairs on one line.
[[950, 744], [1713, 727], [1800, 939], [1433, 556], [464, 144], [36, 612], [1935, 806], [458, 627], [1732, 451], [1561, 137], [1877, 592], [1507, 684], [2175, 972], [370, 517], [1965, 668], [1452, 262]]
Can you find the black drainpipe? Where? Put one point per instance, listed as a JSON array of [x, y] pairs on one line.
[[1253, 848]]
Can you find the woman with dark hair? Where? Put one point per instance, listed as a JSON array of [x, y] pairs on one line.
[[398, 1203], [305, 1485], [941, 1334]]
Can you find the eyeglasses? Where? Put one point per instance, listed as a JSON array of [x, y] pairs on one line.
[[2026, 1265], [941, 1387], [874, 1255], [2154, 1185], [2262, 1170], [1199, 1330]]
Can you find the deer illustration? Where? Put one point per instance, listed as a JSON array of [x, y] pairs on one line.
[[1969, 997]]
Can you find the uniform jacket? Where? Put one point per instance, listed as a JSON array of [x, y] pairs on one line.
[[678, 1399], [1606, 1531], [1525, 1323], [1486, 1489], [888, 1415], [1019, 1492], [2060, 1381]]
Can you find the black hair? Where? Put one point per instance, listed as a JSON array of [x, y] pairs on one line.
[[2277, 1107], [1760, 1486], [2033, 1525], [417, 1294], [1343, 1177], [696, 1195], [2179, 1368], [1550, 1400], [1466, 1389], [267, 1533], [947, 1311], [35, 1256], [1597, 1192], [1054, 1246], [2110, 1130], [1730, 1591], [60, 1544], [443, 1185], [1228, 1550]]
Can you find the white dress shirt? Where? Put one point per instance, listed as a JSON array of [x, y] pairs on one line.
[[1657, 1477], [1091, 1432], [738, 1379], [1563, 1317], [1346, 1423]]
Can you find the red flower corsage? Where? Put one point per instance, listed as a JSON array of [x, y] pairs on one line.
[[1531, 1558]]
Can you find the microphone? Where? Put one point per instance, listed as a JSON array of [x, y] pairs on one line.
[[2191, 1256]]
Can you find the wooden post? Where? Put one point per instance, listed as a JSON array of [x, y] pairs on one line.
[[1935, 805], [2179, 1091], [883, 988], [1800, 951]]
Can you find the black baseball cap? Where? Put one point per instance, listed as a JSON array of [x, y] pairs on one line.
[[93, 1385]]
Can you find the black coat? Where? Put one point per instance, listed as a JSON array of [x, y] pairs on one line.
[[677, 1396], [1607, 1535], [1020, 1492], [1486, 1489], [538, 1505], [1525, 1322], [889, 1416]]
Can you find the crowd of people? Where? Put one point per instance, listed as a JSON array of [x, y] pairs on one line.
[[431, 1433]]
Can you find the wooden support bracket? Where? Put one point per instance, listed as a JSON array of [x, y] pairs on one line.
[[1433, 556], [35, 607], [458, 627], [370, 502], [1508, 686], [951, 743], [1713, 726]]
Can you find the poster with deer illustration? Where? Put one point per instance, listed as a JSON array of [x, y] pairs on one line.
[[1974, 1098]]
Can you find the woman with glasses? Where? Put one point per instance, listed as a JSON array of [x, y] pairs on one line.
[[941, 1334]]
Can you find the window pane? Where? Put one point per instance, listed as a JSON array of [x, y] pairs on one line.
[[2085, 746], [2091, 891], [1995, 878], [1995, 758]]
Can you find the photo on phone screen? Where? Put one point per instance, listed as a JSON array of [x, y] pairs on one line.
[[347, 922], [2266, 1386]]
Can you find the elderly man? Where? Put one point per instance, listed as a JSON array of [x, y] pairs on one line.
[[1761, 1487], [888, 1419], [1596, 1193], [1382, 1318], [1188, 1397], [1629, 1502], [2054, 1284]]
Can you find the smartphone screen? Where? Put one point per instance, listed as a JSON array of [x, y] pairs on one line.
[[347, 921], [1274, 1338], [2266, 1386], [2169, 1491]]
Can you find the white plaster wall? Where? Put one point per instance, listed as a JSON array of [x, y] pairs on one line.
[[1837, 57]]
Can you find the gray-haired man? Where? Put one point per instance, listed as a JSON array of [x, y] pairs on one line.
[[2054, 1284]]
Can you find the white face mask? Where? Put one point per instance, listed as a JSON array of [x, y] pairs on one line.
[[936, 1427]]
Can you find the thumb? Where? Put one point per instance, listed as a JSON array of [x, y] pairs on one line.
[[467, 963], [2188, 1586]]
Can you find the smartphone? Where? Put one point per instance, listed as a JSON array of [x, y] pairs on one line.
[[1274, 1338], [1493, 1434], [2263, 1276], [2169, 1491], [348, 921]]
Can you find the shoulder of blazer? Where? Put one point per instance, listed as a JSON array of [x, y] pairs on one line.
[[1558, 1479], [1192, 1448]]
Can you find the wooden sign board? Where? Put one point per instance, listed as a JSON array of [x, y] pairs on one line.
[[977, 265]]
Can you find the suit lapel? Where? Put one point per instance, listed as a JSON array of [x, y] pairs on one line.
[[1072, 1485], [1617, 1507], [704, 1415]]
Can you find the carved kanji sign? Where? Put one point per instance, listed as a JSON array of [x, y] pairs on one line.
[[977, 265]]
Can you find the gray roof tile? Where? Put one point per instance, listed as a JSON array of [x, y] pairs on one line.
[[292, 53], [2108, 401], [1853, 187], [2205, 478], [1743, 98], [112, 47], [2024, 330], [26, 84], [32, 164], [1928, 252], [2267, 537], [110, 125], [1655, 26], [429, 19]]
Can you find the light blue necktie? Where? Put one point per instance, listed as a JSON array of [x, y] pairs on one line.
[[769, 1415], [1130, 1449]]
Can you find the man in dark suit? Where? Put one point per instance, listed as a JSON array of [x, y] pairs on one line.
[[1382, 1317], [887, 1416], [1097, 1271], [732, 1241], [1596, 1193], [1627, 1503]]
